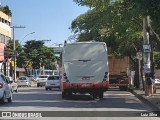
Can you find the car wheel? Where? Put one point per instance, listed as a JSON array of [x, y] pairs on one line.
[[37, 85], [10, 98], [2, 100]]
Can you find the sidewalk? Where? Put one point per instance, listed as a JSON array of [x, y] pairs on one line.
[[153, 101]]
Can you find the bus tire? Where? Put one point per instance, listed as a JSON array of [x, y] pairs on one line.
[[101, 95], [94, 95], [69, 94], [64, 94]]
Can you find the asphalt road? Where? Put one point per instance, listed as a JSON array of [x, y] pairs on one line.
[[115, 104]]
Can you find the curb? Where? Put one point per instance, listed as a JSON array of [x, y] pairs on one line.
[[144, 100]]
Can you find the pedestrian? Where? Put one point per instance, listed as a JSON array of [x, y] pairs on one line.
[[149, 85], [152, 77]]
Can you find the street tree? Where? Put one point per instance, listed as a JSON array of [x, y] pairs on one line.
[[19, 53], [6, 10], [115, 22], [39, 54]]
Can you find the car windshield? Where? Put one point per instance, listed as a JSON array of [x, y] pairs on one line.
[[53, 78], [56, 73], [30, 76], [43, 76], [22, 78]]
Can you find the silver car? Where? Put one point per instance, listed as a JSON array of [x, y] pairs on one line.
[[5, 89], [53, 81], [157, 82], [41, 80], [24, 81]]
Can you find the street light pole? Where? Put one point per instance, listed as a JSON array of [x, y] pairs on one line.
[[26, 36], [14, 49]]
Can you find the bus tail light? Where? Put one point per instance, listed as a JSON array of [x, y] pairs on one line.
[[105, 76], [65, 77]]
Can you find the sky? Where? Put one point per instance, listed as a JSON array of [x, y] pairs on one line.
[[49, 19]]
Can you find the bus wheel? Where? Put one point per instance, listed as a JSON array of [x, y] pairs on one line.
[[94, 96], [101, 95], [64, 94], [70, 94]]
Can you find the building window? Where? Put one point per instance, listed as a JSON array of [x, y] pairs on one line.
[[9, 23], [2, 38], [5, 21], [2, 20], [7, 39]]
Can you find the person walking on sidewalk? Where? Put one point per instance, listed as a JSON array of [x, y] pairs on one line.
[[149, 85], [152, 77]]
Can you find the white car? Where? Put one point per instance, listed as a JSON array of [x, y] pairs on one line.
[[157, 81], [24, 81], [13, 84], [41, 80], [5, 89], [53, 81]]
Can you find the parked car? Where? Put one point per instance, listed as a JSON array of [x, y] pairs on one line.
[[5, 89], [31, 77], [41, 80], [157, 81], [56, 72], [24, 81], [13, 84], [53, 81]]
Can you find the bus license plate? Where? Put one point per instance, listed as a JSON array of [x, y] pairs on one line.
[[85, 78]]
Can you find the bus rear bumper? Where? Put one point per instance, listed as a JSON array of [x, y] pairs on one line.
[[85, 87]]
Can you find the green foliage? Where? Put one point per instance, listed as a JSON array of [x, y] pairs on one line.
[[6, 10], [115, 22], [18, 51], [149, 7], [33, 52], [39, 54], [157, 59]]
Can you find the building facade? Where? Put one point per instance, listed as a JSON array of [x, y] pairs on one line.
[[5, 34], [57, 51]]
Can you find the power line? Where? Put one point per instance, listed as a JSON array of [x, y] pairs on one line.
[[45, 40]]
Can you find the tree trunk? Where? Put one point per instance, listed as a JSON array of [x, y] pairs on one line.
[[136, 78]]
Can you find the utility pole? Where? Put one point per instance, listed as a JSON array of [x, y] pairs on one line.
[[146, 47], [41, 60], [14, 48]]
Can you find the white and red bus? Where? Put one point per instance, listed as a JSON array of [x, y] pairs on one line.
[[84, 69]]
